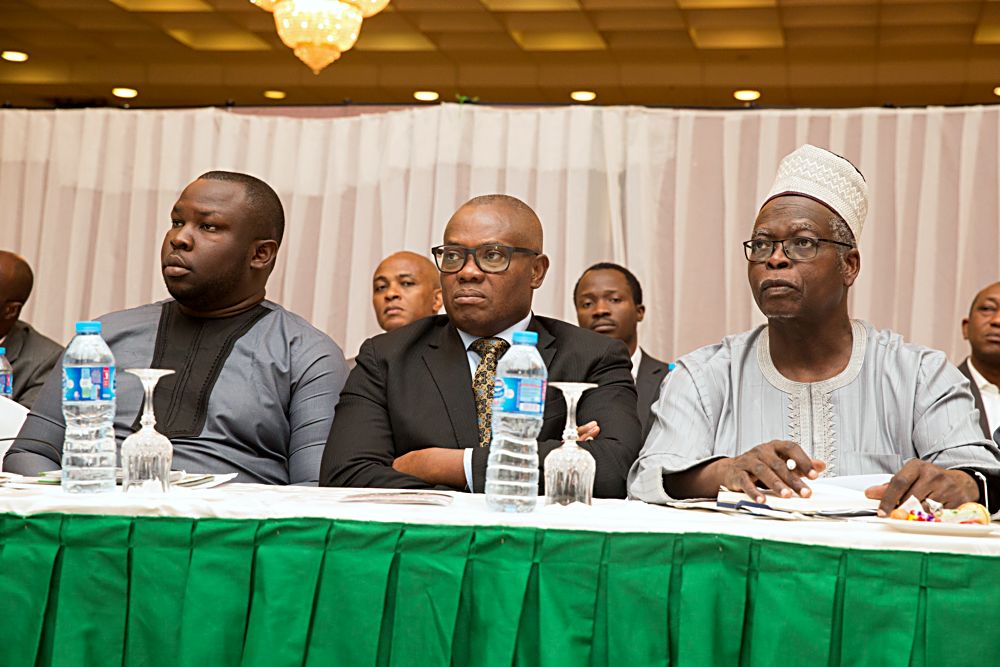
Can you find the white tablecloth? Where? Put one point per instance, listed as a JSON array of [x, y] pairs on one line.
[[253, 501]]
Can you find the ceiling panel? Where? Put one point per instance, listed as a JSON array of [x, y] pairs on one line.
[[738, 38], [681, 52], [639, 20], [545, 40]]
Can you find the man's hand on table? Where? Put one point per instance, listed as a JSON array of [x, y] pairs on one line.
[[770, 465], [925, 480], [438, 466], [441, 466]]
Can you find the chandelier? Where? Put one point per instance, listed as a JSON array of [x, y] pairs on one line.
[[318, 31]]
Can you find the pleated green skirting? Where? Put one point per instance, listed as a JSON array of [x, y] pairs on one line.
[[111, 590]]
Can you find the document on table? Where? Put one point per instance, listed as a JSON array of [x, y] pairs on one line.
[[178, 479], [832, 498], [399, 498]]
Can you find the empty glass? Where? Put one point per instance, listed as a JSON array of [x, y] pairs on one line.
[[147, 454], [569, 470]]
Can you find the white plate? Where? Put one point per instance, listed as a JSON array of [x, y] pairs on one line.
[[936, 528]]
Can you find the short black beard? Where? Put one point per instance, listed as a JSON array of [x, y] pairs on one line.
[[209, 296]]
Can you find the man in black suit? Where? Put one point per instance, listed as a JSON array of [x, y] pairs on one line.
[[408, 416], [608, 300], [31, 355], [982, 329]]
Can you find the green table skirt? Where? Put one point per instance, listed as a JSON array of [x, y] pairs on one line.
[[110, 590]]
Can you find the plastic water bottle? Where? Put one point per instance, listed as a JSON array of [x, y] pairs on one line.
[[6, 375], [518, 411], [88, 462]]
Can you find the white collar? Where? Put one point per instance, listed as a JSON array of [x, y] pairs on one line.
[[636, 360], [507, 334], [981, 382]]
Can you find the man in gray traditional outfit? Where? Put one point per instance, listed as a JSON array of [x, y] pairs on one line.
[[255, 385], [814, 393]]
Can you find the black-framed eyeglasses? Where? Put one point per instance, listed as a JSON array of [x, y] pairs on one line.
[[797, 248], [490, 258]]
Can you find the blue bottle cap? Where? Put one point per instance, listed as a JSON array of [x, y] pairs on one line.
[[525, 338], [88, 327]]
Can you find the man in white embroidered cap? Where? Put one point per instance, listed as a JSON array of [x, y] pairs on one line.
[[813, 392]]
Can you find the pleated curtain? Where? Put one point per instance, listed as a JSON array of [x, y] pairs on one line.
[[85, 196]]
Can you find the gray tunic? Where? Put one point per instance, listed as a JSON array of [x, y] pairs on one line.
[[894, 401], [268, 414]]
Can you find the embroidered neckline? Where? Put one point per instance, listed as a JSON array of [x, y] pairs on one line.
[[810, 412], [842, 379]]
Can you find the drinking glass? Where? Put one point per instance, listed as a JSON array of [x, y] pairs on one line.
[[569, 469], [147, 454]]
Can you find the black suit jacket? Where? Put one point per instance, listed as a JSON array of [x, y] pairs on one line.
[[651, 373], [983, 422], [412, 389], [32, 357]]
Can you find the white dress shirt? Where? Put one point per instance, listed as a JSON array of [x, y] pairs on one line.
[[636, 360], [467, 341], [991, 397]]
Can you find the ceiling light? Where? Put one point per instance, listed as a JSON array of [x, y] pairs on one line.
[[996, 91], [127, 93], [583, 95], [319, 31], [369, 8], [14, 56], [426, 96], [747, 95], [275, 94]]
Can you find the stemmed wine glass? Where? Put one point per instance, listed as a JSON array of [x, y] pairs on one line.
[[569, 469], [147, 454]]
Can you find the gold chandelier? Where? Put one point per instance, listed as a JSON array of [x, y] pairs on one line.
[[318, 31]]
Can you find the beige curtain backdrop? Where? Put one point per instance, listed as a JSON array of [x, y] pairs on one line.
[[86, 196]]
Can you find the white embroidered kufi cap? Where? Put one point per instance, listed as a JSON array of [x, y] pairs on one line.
[[827, 178]]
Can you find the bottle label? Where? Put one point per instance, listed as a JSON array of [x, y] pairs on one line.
[[89, 383], [520, 396], [6, 384]]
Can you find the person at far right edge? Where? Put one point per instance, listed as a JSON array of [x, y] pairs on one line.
[[832, 394], [982, 329]]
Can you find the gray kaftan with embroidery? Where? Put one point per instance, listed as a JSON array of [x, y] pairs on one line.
[[894, 401]]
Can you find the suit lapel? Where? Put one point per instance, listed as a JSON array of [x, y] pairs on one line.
[[15, 340], [555, 404], [448, 364], [546, 341], [647, 383], [650, 375], [978, 398]]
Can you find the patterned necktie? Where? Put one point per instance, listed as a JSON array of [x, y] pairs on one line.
[[489, 350]]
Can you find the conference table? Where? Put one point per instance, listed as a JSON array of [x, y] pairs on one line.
[[259, 575]]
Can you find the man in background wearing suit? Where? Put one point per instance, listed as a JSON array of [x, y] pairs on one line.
[[982, 329], [608, 300], [409, 415], [31, 355], [405, 288]]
